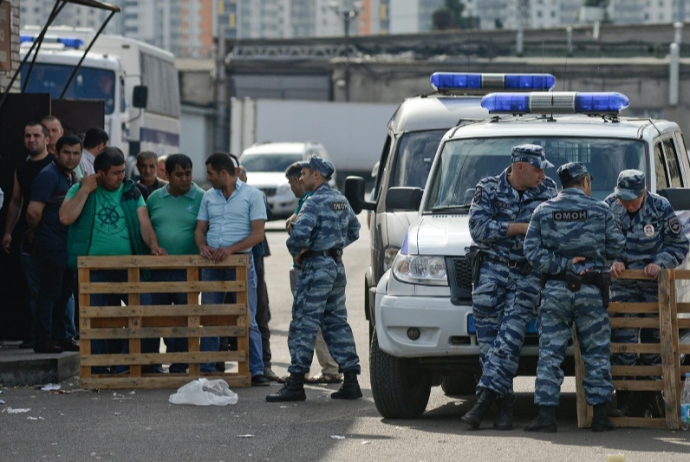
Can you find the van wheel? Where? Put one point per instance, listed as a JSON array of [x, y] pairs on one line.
[[400, 390], [463, 383]]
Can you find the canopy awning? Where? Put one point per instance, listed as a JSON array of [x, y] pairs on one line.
[[95, 4]]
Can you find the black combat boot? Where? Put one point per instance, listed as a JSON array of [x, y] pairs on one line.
[[624, 404], [600, 422], [293, 390], [545, 422], [350, 388], [474, 416], [504, 421]]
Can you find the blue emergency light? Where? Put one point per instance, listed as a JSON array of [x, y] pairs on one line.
[[555, 103], [449, 81], [69, 42]]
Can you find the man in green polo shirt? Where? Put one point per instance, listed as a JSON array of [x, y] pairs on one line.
[[173, 210]]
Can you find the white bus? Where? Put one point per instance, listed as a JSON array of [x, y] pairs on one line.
[[111, 71]]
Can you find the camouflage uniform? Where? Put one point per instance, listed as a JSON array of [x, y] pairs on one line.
[[504, 300], [325, 222], [573, 225], [653, 235]]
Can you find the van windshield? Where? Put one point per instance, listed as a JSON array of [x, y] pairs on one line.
[[415, 154], [465, 162], [89, 83], [269, 162]]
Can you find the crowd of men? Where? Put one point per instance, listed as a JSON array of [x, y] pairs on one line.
[[78, 201], [536, 252], [569, 249]]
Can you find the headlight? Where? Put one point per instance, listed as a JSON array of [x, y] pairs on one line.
[[389, 254], [420, 269], [284, 189]]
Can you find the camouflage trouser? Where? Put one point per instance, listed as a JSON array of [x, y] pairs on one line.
[[503, 304], [320, 302], [559, 309], [632, 292]]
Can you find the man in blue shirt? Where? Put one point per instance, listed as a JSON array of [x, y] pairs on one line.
[[231, 220], [53, 323]]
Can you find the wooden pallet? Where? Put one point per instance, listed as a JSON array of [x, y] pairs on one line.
[[135, 321], [670, 370]]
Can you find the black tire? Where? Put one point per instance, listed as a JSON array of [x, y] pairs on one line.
[[400, 391], [463, 383]]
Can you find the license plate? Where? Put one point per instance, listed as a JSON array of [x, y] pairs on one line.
[[472, 325]]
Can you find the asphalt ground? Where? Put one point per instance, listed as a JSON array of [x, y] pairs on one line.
[[137, 425]]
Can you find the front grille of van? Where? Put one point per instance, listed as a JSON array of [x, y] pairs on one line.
[[268, 191], [459, 280]]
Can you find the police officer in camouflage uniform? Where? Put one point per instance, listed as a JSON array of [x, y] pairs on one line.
[[570, 239], [325, 225], [654, 240], [506, 287]]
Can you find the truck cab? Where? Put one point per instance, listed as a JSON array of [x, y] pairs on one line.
[[425, 333], [413, 135]]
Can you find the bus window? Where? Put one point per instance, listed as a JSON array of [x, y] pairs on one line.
[[89, 83]]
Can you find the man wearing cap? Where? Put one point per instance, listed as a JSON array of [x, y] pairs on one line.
[[506, 288], [569, 240], [654, 240], [325, 225]]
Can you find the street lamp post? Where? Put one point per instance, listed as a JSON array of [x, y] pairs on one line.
[[347, 16]]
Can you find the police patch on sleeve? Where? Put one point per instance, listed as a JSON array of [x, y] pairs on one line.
[[674, 225], [477, 195], [339, 206]]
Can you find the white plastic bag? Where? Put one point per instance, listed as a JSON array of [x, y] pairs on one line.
[[204, 392]]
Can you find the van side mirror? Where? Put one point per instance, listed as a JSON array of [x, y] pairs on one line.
[[404, 198], [678, 197], [354, 193], [140, 96]]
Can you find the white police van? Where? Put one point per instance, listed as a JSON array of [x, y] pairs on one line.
[[414, 133], [425, 333]]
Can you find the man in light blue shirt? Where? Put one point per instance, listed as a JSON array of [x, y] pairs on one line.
[[231, 220]]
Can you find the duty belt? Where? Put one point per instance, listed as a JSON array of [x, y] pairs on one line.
[[602, 280], [587, 278], [335, 254], [508, 263]]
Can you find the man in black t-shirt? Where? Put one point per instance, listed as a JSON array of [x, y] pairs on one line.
[[36, 139], [53, 323]]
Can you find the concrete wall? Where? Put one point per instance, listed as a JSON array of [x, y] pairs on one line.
[[644, 80], [196, 138]]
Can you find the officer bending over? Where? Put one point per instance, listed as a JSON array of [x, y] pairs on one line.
[[654, 239]]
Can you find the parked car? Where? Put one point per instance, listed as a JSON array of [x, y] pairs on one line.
[[266, 164], [425, 333]]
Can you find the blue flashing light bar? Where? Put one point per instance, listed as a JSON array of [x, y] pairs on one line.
[[555, 103], [449, 81], [69, 42]]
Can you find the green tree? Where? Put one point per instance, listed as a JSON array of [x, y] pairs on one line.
[[449, 16]]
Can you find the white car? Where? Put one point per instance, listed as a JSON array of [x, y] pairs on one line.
[[425, 333], [266, 164]]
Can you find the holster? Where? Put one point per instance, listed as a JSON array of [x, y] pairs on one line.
[[474, 258], [526, 270], [604, 283], [573, 281]]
